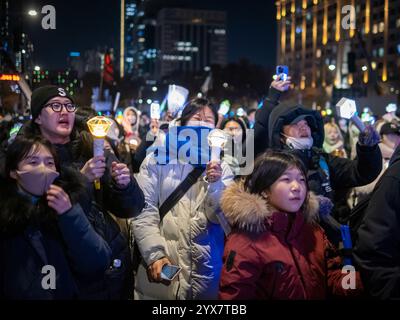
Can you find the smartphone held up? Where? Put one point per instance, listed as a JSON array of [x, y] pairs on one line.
[[282, 72]]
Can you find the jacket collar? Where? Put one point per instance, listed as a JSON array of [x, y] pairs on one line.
[[251, 213]]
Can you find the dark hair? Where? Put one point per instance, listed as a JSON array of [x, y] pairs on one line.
[[195, 106], [238, 120], [268, 167], [82, 115], [19, 149]]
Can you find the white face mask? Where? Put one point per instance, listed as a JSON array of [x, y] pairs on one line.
[[193, 123], [300, 143]]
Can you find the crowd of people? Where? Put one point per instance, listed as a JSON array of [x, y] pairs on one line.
[[109, 224]]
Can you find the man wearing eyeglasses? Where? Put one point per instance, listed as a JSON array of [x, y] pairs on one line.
[[53, 117], [56, 116]]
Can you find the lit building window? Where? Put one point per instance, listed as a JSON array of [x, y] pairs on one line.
[[381, 52], [220, 31], [174, 58], [131, 10], [375, 28], [398, 23], [381, 26]]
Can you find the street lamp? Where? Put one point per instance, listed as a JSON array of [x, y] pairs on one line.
[[32, 13], [332, 67], [37, 68]]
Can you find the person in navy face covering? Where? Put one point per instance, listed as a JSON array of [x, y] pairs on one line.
[[190, 234], [42, 223], [53, 118]]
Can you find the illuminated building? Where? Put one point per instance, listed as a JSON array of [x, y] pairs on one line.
[[190, 40], [320, 50]]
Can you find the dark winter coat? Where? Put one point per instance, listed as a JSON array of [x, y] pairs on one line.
[[377, 250], [344, 173], [117, 282], [32, 236]]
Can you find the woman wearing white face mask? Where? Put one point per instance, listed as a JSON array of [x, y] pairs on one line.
[[189, 235], [235, 149], [42, 223]]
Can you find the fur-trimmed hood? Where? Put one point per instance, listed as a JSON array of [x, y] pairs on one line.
[[18, 211], [250, 212]]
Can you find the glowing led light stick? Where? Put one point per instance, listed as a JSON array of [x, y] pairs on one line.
[[176, 98], [99, 127], [217, 140], [346, 108]]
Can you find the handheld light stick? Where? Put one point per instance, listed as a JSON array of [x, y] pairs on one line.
[[391, 107], [346, 108], [99, 127], [217, 140], [155, 111], [224, 107], [176, 98], [119, 117], [240, 112]]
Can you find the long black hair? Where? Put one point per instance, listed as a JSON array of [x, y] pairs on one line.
[[16, 212]]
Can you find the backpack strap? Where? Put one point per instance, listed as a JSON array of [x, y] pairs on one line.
[[180, 191]]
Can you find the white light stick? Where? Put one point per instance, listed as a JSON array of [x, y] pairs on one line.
[[391, 107], [346, 108], [155, 111], [217, 140], [224, 107], [240, 112], [99, 127], [176, 98]]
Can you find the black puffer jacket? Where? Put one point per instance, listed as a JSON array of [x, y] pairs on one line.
[[117, 282], [344, 173], [377, 250], [327, 175], [32, 236]]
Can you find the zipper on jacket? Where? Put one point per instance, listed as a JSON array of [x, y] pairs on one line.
[[291, 221]]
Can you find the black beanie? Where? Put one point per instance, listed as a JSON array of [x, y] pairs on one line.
[[42, 95]]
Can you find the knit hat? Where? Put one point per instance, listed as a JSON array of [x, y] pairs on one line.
[[42, 95]]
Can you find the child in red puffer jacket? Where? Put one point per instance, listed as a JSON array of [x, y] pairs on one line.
[[277, 250]]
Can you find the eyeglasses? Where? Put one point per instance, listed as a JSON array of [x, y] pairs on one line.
[[57, 107]]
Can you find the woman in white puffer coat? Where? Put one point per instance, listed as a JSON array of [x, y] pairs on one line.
[[190, 234]]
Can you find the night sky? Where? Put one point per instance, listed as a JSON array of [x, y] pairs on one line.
[[83, 25]]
